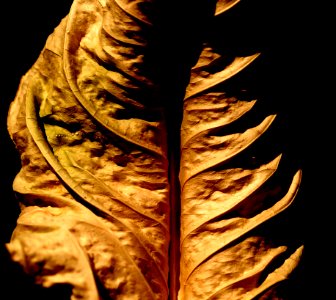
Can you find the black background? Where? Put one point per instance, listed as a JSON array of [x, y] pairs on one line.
[[295, 39]]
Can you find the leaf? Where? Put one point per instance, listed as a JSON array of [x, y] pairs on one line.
[[96, 154], [224, 5], [232, 193], [100, 210], [219, 193]]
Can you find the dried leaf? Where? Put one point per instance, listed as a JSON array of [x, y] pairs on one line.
[[228, 197], [94, 170], [96, 189]]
